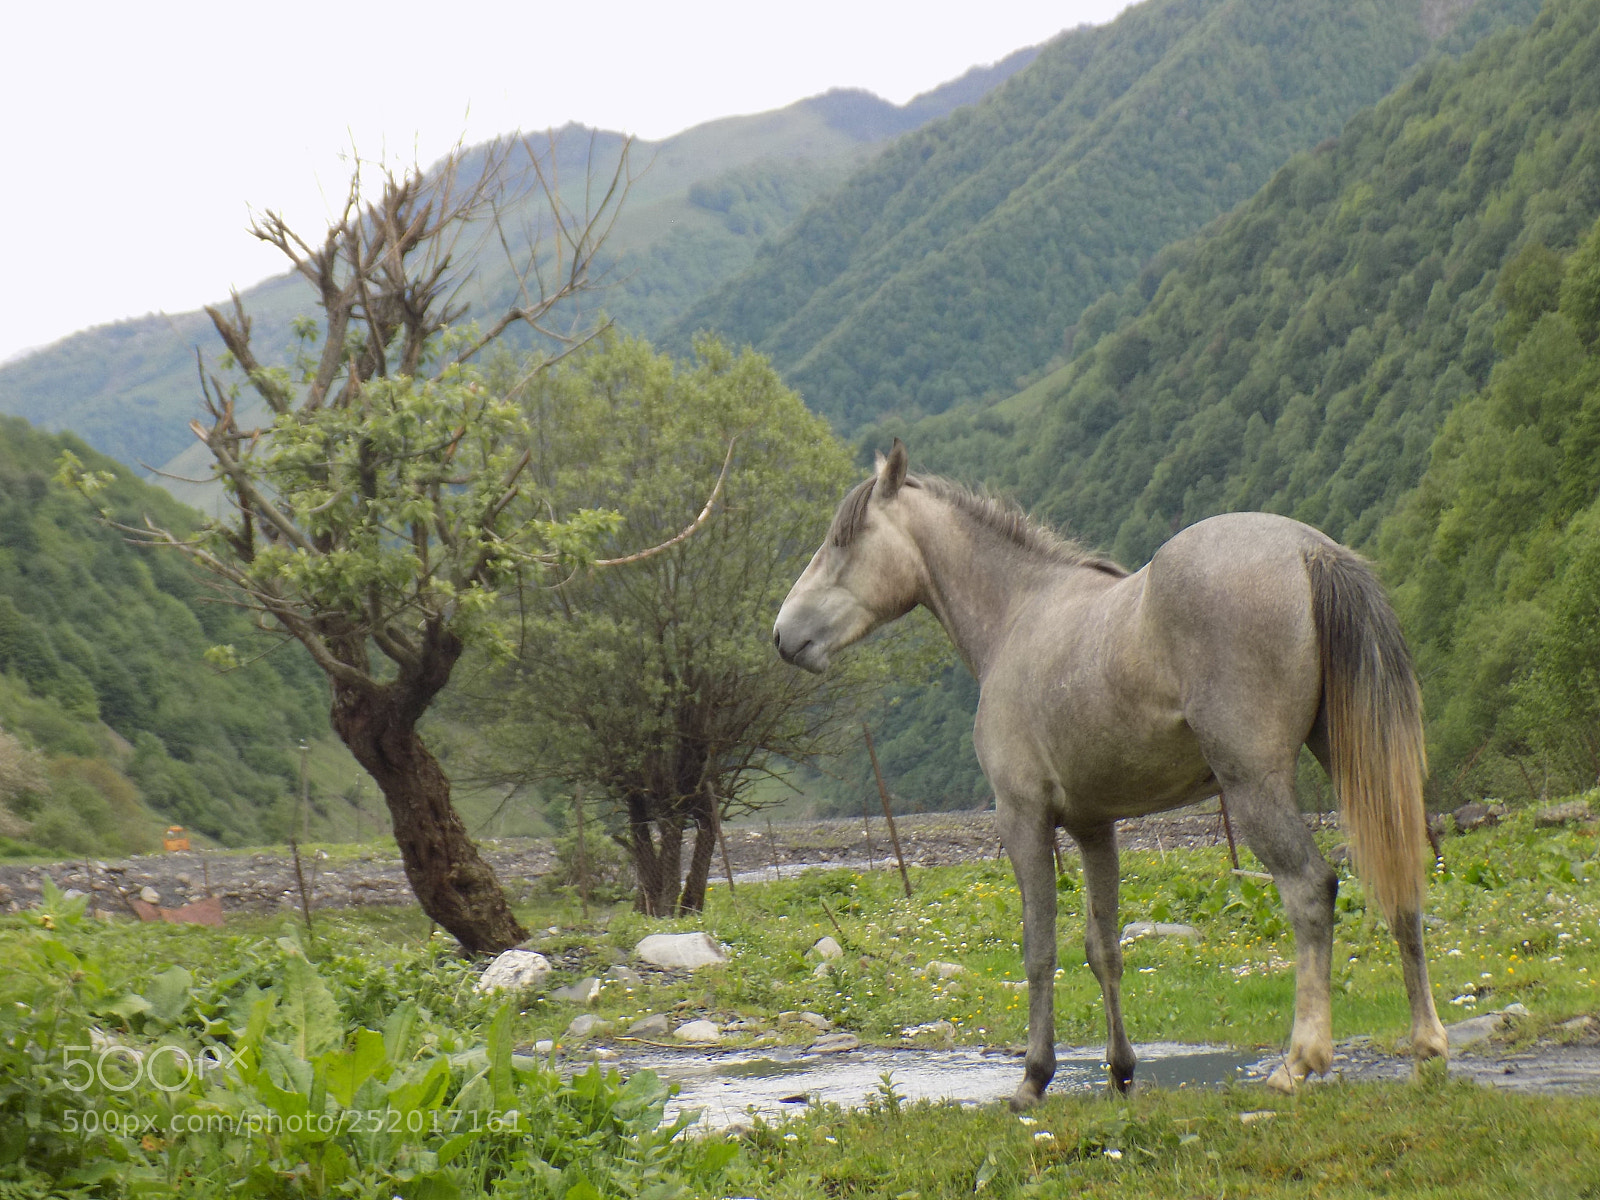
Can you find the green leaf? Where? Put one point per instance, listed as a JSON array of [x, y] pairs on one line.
[[346, 1070], [168, 994], [307, 1010]]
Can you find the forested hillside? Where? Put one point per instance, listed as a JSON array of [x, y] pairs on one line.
[[700, 203], [1302, 355], [111, 722], [961, 259]]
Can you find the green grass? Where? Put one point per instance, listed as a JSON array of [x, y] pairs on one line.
[[1518, 909], [1451, 1140]]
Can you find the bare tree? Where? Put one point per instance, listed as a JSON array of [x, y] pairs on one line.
[[380, 497]]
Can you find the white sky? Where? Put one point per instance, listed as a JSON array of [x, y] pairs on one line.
[[135, 137]]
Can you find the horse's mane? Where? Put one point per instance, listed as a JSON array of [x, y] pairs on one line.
[[1001, 517]]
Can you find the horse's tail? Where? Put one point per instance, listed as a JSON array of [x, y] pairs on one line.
[[1373, 709]]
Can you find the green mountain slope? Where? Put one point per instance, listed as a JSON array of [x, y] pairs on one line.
[[112, 720], [1302, 354], [962, 258], [700, 204]]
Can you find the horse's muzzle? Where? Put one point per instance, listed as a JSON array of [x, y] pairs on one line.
[[798, 650]]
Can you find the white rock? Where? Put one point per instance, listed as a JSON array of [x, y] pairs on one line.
[[699, 1032], [149, 895], [944, 970], [544, 1046], [585, 991], [834, 1043], [686, 951], [626, 976], [588, 1025], [939, 1029], [828, 948], [820, 971], [1143, 929], [817, 1021], [655, 1025], [513, 970], [1474, 1029]]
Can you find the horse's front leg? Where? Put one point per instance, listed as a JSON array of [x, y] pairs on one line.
[[1028, 835], [1102, 943]]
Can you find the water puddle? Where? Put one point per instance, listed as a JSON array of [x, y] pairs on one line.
[[776, 1081]]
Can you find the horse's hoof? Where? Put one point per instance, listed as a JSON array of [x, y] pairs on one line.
[[1282, 1080], [1435, 1069], [1025, 1097]]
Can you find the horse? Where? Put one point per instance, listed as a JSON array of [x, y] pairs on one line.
[[1106, 694]]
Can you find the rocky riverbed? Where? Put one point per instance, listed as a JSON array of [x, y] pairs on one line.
[[265, 880]]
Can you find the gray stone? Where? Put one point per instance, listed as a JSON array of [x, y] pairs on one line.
[[1583, 1027], [588, 1025], [821, 970], [817, 1021], [626, 976], [940, 1030], [149, 895], [655, 1025], [73, 893], [834, 1043], [1570, 813], [944, 970], [514, 970], [585, 991], [1474, 1030], [684, 951], [698, 1032], [826, 947], [1144, 929], [1475, 816], [544, 1046]]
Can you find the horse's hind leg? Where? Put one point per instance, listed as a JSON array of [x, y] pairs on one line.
[[1029, 839], [1102, 943], [1428, 1038], [1263, 806]]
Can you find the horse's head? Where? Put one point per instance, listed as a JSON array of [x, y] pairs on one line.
[[867, 572]]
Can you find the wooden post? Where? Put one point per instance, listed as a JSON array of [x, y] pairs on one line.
[[300, 879], [716, 828], [888, 815], [1227, 825], [305, 790], [583, 852], [772, 848]]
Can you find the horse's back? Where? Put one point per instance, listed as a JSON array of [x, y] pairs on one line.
[[1228, 601], [1123, 695]]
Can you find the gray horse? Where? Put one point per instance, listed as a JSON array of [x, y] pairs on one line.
[[1105, 694]]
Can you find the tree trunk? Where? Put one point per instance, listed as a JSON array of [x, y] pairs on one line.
[[451, 881], [657, 858], [693, 899]]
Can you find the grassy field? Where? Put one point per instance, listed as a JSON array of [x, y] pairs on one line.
[[376, 1000]]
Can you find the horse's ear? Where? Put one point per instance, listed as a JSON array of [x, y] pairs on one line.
[[892, 470]]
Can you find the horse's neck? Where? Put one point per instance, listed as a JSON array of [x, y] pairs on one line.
[[976, 581]]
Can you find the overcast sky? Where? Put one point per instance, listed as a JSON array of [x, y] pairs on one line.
[[136, 137]]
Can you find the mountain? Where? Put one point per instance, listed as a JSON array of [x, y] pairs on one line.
[[1370, 344], [958, 262], [111, 721], [700, 203]]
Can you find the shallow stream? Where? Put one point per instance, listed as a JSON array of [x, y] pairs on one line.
[[782, 1080]]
